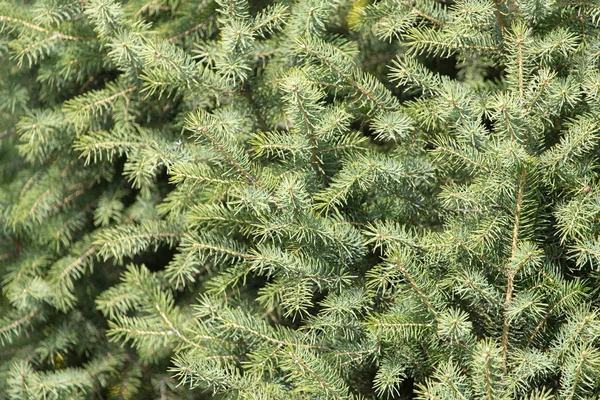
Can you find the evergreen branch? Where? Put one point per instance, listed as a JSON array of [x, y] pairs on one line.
[[456, 154], [488, 378], [41, 48], [76, 191], [77, 262], [576, 378], [401, 325], [323, 382], [357, 84], [147, 6], [519, 43], [192, 370], [49, 191], [360, 355], [407, 70], [140, 236], [488, 382], [543, 86], [270, 18], [204, 131], [351, 230], [128, 240], [201, 178], [142, 332], [193, 29], [456, 46], [17, 324], [29, 25], [202, 246], [420, 13], [257, 333], [489, 298], [96, 104], [173, 328], [510, 274], [53, 35], [316, 161], [580, 322], [65, 226], [549, 313], [268, 338], [417, 289]]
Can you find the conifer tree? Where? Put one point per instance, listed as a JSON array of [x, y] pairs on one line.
[[308, 199]]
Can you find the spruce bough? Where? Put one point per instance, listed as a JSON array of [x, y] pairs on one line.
[[311, 199]]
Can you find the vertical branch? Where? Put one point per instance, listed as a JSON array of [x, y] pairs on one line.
[[316, 161], [488, 378], [510, 274], [519, 43]]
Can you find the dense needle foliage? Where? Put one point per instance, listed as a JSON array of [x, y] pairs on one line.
[[301, 199]]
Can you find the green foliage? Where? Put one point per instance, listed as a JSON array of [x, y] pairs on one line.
[[311, 199]]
